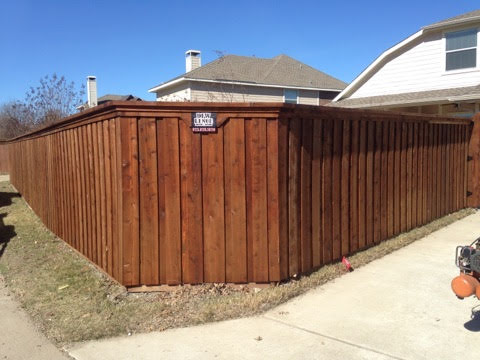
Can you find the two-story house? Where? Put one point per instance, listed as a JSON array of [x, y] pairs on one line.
[[434, 71]]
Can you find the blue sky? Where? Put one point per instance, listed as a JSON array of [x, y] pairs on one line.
[[132, 46]]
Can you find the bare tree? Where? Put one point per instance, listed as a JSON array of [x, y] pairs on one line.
[[53, 99], [15, 119]]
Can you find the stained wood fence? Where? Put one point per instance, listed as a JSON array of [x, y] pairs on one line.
[[4, 158], [474, 164], [277, 190]]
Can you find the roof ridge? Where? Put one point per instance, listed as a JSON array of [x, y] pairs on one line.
[[275, 60], [302, 64], [320, 71]]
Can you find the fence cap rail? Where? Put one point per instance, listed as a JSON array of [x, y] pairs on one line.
[[156, 109]]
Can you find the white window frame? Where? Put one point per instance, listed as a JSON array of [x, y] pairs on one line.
[[455, 71], [284, 97]]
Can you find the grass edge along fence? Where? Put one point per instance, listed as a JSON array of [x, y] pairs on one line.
[[276, 190]]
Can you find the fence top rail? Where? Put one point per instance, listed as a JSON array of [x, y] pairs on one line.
[[114, 109]]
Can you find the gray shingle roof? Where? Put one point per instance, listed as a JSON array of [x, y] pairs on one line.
[[281, 70], [420, 97], [112, 97], [456, 19]]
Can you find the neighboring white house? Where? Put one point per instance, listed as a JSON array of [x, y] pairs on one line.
[[234, 78], [435, 71]]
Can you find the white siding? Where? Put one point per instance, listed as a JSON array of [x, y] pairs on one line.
[[419, 67], [234, 93], [308, 97], [238, 93], [180, 92], [211, 92]]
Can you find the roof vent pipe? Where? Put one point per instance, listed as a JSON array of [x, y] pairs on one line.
[[92, 91], [193, 60]]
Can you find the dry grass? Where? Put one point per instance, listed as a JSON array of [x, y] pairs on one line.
[[72, 301]]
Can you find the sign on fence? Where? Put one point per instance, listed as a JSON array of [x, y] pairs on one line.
[[204, 122]]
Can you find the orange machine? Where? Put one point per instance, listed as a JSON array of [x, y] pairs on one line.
[[467, 258]]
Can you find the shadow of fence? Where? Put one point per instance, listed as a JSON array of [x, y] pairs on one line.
[[7, 232]]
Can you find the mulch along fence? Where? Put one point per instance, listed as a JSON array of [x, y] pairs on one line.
[[277, 190]]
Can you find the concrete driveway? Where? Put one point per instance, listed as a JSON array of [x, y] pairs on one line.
[[397, 307]]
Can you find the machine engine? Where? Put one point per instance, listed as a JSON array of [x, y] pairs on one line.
[[467, 258]]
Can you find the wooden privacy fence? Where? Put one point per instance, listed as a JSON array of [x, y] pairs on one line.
[[474, 164], [276, 191], [4, 158]]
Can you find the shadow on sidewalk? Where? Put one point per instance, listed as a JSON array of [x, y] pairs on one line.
[[7, 232], [473, 324]]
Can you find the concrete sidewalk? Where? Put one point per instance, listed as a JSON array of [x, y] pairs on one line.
[[19, 339], [397, 307]]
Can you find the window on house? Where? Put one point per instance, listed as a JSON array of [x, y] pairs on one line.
[[290, 96], [461, 49]]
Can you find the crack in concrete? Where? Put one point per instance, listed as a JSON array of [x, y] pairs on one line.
[[346, 342]]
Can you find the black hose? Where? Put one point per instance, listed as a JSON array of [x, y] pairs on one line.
[[474, 241]]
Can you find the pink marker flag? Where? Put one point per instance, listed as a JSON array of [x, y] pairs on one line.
[[347, 264]]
